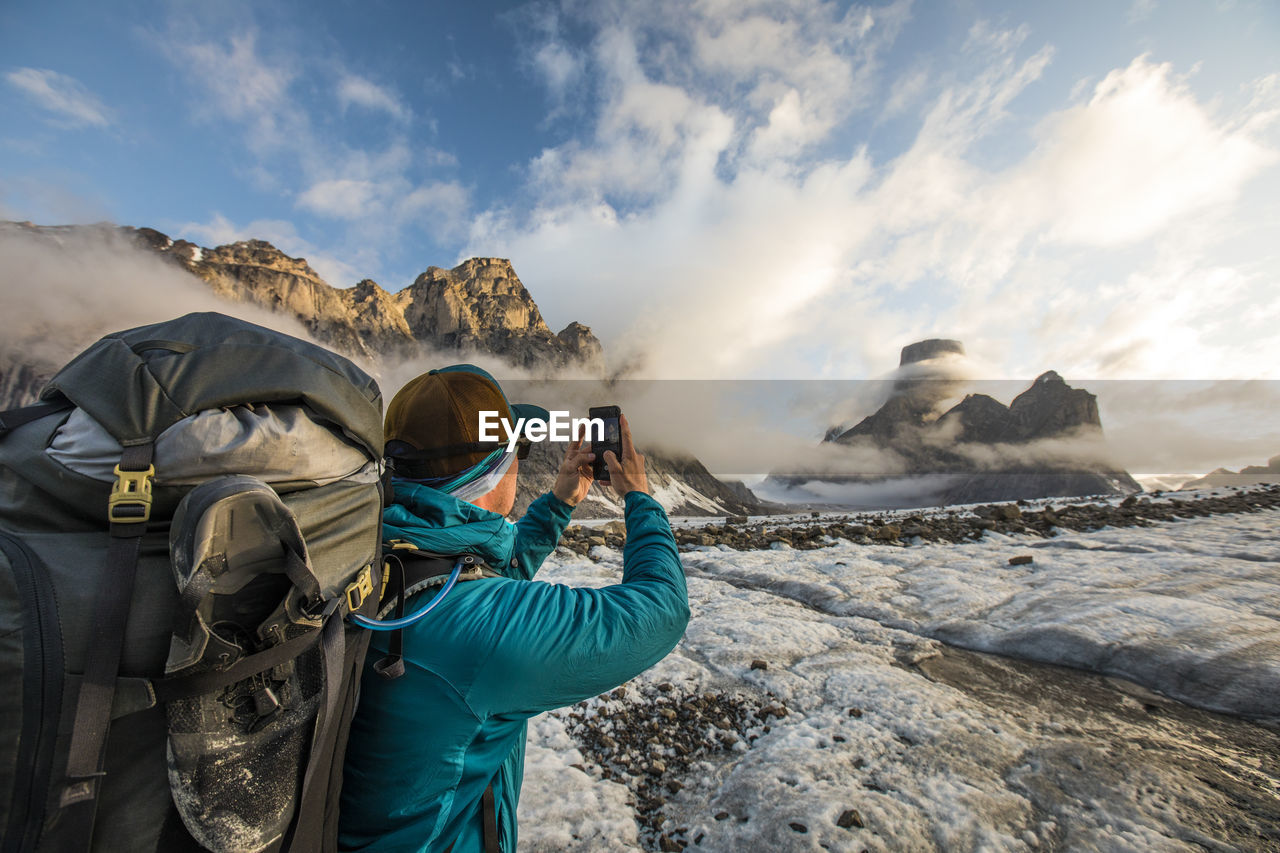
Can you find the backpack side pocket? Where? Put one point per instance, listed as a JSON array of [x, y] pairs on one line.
[[31, 655]]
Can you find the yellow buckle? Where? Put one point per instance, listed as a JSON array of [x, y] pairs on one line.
[[130, 500], [360, 588], [402, 545]]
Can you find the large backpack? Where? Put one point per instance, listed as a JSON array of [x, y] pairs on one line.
[[186, 520]]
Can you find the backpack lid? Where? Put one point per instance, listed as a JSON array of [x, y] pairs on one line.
[[138, 382]]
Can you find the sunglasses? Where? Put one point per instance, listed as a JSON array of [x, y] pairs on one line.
[[522, 447]]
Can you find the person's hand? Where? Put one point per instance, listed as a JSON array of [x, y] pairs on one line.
[[626, 474], [574, 477]]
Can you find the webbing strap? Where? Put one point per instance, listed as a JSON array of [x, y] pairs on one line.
[[490, 809], [187, 686], [489, 814], [14, 418], [392, 666], [313, 798], [102, 664]]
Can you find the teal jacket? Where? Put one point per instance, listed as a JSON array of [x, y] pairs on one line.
[[494, 653]]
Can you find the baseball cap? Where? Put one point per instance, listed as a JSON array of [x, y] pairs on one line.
[[432, 424]]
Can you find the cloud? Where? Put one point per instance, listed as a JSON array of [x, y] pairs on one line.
[[41, 200], [92, 281], [355, 90], [1140, 10], [344, 198], [238, 83], [65, 98], [720, 218], [1139, 154], [443, 206], [374, 192], [558, 66]]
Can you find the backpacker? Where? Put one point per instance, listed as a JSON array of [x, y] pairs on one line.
[[186, 520]]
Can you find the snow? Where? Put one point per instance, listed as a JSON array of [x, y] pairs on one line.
[[942, 748], [197, 254], [676, 494]]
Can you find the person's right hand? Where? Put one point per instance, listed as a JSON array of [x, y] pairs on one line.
[[626, 474]]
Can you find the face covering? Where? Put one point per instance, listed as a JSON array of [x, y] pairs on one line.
[[479, 479], [484, 483]]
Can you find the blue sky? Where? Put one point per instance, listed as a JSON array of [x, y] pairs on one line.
[[720, 189]]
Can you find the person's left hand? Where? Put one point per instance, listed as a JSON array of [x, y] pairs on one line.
[[574, 479]]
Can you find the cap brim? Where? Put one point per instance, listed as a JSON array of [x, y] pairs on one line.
[[529, 411]]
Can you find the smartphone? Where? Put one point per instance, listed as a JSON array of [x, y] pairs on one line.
[[612, 439]]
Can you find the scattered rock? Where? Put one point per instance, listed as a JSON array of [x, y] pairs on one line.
[[759, 664], [1021, 560], [649, 736], [850, 818], [799, 827], [805, 533]]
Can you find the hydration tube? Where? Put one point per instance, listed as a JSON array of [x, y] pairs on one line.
[[406, 621]]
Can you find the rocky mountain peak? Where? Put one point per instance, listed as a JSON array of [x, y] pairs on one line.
[[931, 348], [259, 253], [1052, 407], [969, 444], [480, 296], [479, 306], [366, 288], [580, 339]]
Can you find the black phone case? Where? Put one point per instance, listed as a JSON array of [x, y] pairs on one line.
[[599, 468]]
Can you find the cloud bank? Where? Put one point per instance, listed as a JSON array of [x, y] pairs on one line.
[[723, 216]]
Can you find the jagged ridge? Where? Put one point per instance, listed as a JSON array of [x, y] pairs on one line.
[[479, 305]]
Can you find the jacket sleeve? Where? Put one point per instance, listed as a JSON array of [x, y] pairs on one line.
[[537, 533], [555, 645]]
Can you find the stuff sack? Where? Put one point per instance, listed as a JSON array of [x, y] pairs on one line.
[[186, 520]]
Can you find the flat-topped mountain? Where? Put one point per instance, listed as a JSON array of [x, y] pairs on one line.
[[1047, 442]]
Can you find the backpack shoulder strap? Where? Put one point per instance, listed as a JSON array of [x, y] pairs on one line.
[[409, 570], [14, 418], [128, 511]]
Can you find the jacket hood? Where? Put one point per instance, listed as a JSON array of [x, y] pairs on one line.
[[441, 524]]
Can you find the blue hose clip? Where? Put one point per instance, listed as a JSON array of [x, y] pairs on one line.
[[406, 621]]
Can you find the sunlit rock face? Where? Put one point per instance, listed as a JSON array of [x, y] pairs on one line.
[[482, 305], [478, 306]]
